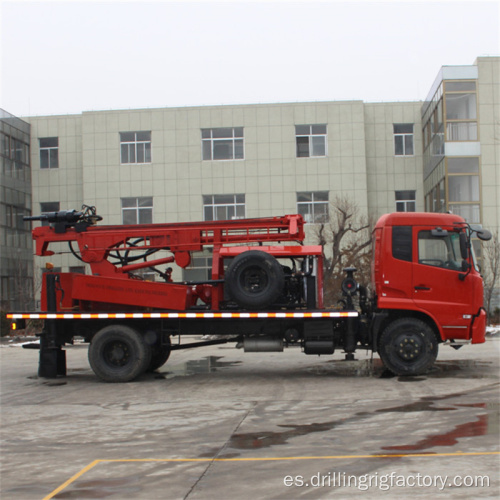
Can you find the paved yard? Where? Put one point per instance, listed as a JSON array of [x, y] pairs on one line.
[[216, 423]]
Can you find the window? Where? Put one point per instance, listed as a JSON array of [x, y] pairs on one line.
[[405, 201], [460, 106], [470, 212], [435, 199], [21, 153], [403, 139], [222, 143], [49, 152], [461, 86], [311, 140], [135, 147], [313, 206], [12, 216], [467, 165], [461, 111], [15, 157], [49, 206], [5, 145], [200, 268], [402, 243], [463, 187], [223, 207], [137, 210], [442, 251]]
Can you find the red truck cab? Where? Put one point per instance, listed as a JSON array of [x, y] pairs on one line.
[[424, 266]]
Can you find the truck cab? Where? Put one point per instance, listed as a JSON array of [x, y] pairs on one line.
[[424, 268]]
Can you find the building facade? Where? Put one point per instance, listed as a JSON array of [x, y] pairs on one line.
[[16, 249], [213, 163], [223, 162], [461, 136]]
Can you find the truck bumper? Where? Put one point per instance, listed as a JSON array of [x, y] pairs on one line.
[[479, 328]]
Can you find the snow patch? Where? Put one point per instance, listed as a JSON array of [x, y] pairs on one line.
[[493, 330]]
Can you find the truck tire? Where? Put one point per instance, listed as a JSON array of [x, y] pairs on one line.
[[254, 280], [159, 355], [118, 353], [408, 346]]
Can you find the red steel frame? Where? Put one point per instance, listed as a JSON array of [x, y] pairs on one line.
[[107, 285]]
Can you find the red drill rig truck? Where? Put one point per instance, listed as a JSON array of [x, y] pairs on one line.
[[265, 291]]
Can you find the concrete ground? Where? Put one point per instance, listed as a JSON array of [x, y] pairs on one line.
[[216, 423]]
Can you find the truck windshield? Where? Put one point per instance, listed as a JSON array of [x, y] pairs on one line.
[[440, 251]]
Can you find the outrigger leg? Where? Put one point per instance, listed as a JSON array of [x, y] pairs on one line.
[[52, 361]]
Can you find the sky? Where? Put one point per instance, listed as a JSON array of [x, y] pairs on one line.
[[66, 57]]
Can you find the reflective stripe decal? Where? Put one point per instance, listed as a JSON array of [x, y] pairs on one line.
[[188, 315]]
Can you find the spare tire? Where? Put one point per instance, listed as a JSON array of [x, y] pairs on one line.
[[254, 280]]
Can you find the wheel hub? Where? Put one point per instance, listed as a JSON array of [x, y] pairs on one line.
[[254, 280], [117, 354], [408, 347]]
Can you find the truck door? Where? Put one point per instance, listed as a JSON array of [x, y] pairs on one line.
[[437, 288]]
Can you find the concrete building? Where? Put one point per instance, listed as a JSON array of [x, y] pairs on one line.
[[16, 249], [218, 162], [461, 134]]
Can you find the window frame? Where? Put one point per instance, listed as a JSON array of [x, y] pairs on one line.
[[463, 167], [138, 209], [461, 129], [133, 145], [200, 268], [312, 203], [52, 160], [405, 201], [404, 136], [310, 136], [210, 141], [239, 200]]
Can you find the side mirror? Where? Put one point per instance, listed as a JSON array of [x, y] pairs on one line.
[[484, 234], [464, 246]]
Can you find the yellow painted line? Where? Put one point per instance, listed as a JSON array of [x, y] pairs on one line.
[[71, 479], [259, 459], [256, 459]]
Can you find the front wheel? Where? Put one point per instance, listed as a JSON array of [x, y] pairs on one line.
[[119, 353], [408, 346]]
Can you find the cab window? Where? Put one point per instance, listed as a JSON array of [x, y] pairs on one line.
[[439, 251]]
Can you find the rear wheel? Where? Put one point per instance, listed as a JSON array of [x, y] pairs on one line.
[[118, 353], [255, 280], [408, 346]]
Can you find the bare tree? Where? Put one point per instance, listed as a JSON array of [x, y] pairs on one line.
[[23, 285], [491, 273], [346, 240]]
